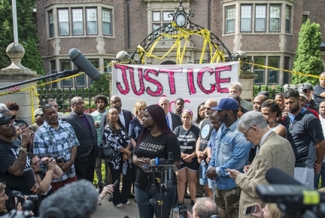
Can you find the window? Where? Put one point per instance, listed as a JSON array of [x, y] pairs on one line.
[[91, 21], [275, 11], [273, 74], [66, 65], [246, 18], [80, 81], [260, 18], [159, 19], [286, 75], [260, 71], [63, 22], [94, 62], [77, 22], [53, 71], [288, 19], [107, 22], [51, 24], [107, 67], [230, 19], [304, 18]]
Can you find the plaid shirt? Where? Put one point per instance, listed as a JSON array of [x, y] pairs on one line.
[[57, 143]]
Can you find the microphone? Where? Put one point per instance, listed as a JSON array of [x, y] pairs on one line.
[[162, 161], [77, 199], [277, 176], [84, 64], [170, 160], [153, 189]]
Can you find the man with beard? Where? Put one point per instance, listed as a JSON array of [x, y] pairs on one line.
[[124, 115], [57, 139], [319, 90], [231, 152], [202, 143], [101, 104], [304, 132], [84, 127], [179, 106]]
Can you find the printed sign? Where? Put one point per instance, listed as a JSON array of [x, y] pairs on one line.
[[195, 83]]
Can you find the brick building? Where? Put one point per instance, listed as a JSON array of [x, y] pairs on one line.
[[266, 30]]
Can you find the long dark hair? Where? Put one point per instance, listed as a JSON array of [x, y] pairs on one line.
[[198, 118], [158, 116]]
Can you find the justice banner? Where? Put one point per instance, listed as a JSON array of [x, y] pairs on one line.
[[195, 83]]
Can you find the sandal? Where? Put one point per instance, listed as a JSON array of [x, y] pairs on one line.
[[121, 206], [128, 203]]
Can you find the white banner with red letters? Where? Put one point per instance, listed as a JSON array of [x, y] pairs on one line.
[[195, 83]]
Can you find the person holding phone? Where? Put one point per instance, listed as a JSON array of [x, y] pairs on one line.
[[155, 141], [269, 211], [107, 190]]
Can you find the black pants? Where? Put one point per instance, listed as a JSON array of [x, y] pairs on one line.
[[85, 168], [121, 196]]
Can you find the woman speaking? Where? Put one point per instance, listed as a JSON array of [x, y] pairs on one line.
[[155, 141]]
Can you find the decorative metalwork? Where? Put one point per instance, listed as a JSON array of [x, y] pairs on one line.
[[182, 20]]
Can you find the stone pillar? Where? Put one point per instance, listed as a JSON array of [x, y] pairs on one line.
[[18, 73], [246, 78]]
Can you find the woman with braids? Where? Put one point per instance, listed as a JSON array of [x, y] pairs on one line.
[[187, 136], [273, 113], [155, 140], [115, 135]]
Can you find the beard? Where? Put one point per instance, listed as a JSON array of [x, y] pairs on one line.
[[294, 109]]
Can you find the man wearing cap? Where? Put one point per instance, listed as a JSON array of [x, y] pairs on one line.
[[319, 90], [308, 90], [15, 166], [39, 119], [303, 102], [231, 151]]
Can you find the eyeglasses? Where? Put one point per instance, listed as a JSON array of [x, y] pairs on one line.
[[36, 163], [245, 134]]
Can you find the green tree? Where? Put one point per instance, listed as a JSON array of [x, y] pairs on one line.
[[308, 59], [27, 33]]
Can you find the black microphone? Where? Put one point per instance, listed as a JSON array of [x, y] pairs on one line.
[[277, 176], [170, 160], [162, 161], [153, 189], [77, 199], [83, 63]]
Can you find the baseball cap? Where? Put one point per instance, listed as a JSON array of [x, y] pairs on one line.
[[38, 111], [226, 104], [307, 87], [302, 94], [5, 119]]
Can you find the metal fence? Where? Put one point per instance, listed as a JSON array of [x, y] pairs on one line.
[[64, 95], [274, 89]]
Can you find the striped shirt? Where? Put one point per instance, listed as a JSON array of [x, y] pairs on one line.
[[57, 143]]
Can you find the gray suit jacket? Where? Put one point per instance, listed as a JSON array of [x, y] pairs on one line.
[[87, 140]]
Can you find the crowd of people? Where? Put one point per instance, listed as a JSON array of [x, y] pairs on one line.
[[222, 151]]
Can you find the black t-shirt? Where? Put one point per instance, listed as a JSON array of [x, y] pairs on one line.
[[187, 138], [303, 134], [205, 132], [152, 147], [8, 155]]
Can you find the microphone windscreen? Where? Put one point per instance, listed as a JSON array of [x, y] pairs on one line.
[[162, 161], [170, 159], [76, 199], [83, 63], [277, 176], [153, 162]]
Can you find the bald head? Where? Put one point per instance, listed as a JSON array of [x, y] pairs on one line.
[[258, 101], [116, 102], [210, 103]]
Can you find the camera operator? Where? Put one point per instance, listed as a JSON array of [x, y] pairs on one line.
[[15, 166], [270, 210], [45, 170]]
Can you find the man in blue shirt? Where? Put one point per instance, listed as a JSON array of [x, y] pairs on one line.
[[231, 151]]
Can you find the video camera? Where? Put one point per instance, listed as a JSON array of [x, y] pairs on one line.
[[28, 202], [293, 198]]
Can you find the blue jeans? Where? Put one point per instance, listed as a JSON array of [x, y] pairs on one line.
[[148, 205], [317, 176]]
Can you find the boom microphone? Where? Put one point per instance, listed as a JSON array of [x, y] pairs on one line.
[[77, 199], [277, 176], [84, 64]]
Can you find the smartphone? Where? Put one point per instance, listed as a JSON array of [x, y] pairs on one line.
[[250, 209], [115, 184]]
